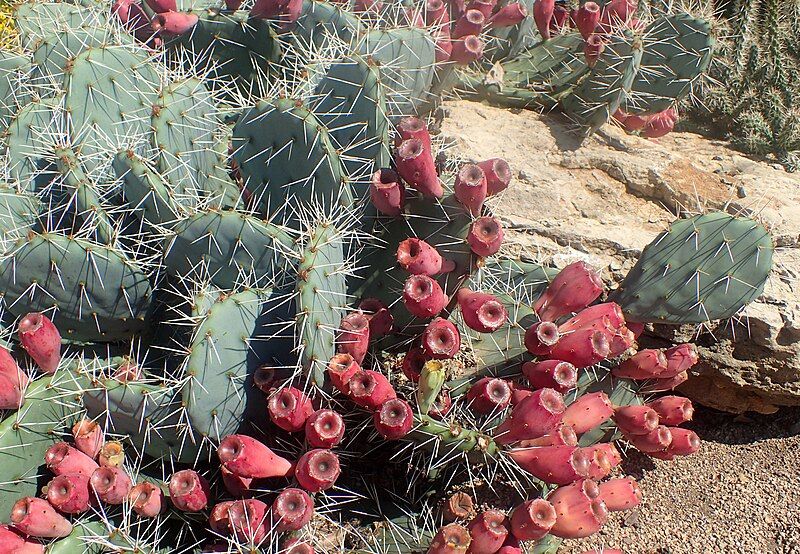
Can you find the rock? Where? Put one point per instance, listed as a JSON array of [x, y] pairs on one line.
[[604, 199]]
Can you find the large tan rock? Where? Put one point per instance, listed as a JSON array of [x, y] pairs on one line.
[[604, 199]]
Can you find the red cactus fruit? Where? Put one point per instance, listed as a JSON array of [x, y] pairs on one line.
[[247, 457], [111, 484], [296, 546], [41, 340], [470, 185], [588, 411], [394, 419], [593, 48], [498, 175], [88, 437], [673, 410], [541, 337], [645, 364], [535, 416], [667, 384], [655, 441], [111, 454], [174, 23], [586, 18], [419, 258], [353, 338], [582, 348], [248, 520], [442, 43], [610, 454], [317, 470], [381, 321], [563, 435], [441, 339], [466, 50], [485, 236], [324, 429], [369, 389], [423, 297], [660, 124], [10, 369], [289, 408], [679, 359], [482, 312], [292, 508], [37, 518], [575, 287], [387, 193], [488, 532], [62, 459], [146, 499], [580, 510], [554, 464], [441, 406], [267, 378], [11, 394], [69, 493], [560, 19], [341, 369], [617, 13], [235, 484], [287, 11], [15, 542], [161, 6], [519, 393], [413, 127], [621, 341], [620, 494], [599, 317], [684, 442], [532, 520], [413, 362], [218, 519], [601, 462], [450, 539], [511, 547], [489, 395], [543, 15], [471, 23], [415, 164], [458, 505], [435, 12], [486, 7], [189, 491], [508, 16], [554, 374], [636, 420]]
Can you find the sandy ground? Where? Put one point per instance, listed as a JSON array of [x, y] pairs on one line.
[[739, 495]]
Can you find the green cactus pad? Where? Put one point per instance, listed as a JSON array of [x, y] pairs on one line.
[[18, 214], [57, 50], [29, 141], [677, 51], [35, 20], [704, 268], [14, 72], [145, 190], [319, 21], [87, 537], [98, 294]]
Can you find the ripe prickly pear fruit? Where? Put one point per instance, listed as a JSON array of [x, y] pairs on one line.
[[498, 175], [162, 6], [289, 408], [519, 393], [450, 539], [599, 317], [247, 457], [41, 340], [88, 437], [582, 348], [482, 312], [189, 491], [672, 410], [645, 364], [387, 193], [381, 321], [235, 484], [324, 429], [486, 7], [593, 48], [435, 13], [511, 547], [666, 384], [508, 16], [488, 532], [146, 499], [369, 389], [292, 509], [580, 510], [470, 187], [559, 465], [248, 520], [37, 518], [69, 493], [443, 44], [174, 23], [532, 520], [656, 440], [610, 454], [602, 462], [415, 164], [660, 124], [419, 258], [15, 542], [11, 394], [413, 127], [679, 359], [353, 338], [636, 420], [441, 339], [470, 23], [554, 374], [394, 419], [413, 362], [111, 454], [618, 12], [62, 459], [543, 15], [588, 411], [573, 289], [489, 395], [341, 369], [541, 337], [218, 520], [11, 371], [485, 236], [466, 50], [621, 341], [111, 484], [586, 19], [563, 435], [620, 494], [317, 470], [459, 505], [535, 416], [684, 442], [287, 11], [423, 297], [560, 19]]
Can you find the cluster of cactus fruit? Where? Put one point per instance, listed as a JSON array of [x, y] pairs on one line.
[[249, 307]]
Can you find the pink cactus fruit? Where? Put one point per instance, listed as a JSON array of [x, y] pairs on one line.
[[543, 15], [292, 509], [248, 520], [11, 371], [162, 6], [511, 546], [519, 393], [380, 317], [435, 13], [353, 337], [133, 18], [450, 539], [509, 15], [672, 410], [645, 364], [441, 339], [324, 429], [12, 395], [485, 236], [558, 465], [498, 175], [580, 510], [602, 461], [15, 542], [419, 258], [189, 491], [387, 193], [486, 7], [423, 297], [236, 485], [466, 50], [684, 442], [470, 187], [636, 420], [62, 459], [88, 437], [111, 484], [600, 317], [588, 412], [666, 384], [554, 374], [563, 435], [631, 123], [593, 48], [41, 340], [660, 124], [656, 440], [412, 127], [482, 312], [582, 348], [621, 494], [394, 419], [146, 499], [488, 532], [415, 164], [369, 389], [535, 416], [341, 369], [443, 44], [680, 358], [541, 337], [573, 289], [471, 23], [413, 362], [69, 493], [289, 408], [586, 19], [317, 470], [287, 11], [489, 395], [533, 519], [218, 519], [368, 6], [174, 23], [617, 13], [247, 457], [35, 517]]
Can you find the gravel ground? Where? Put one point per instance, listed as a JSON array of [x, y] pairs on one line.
[[739, 495]]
